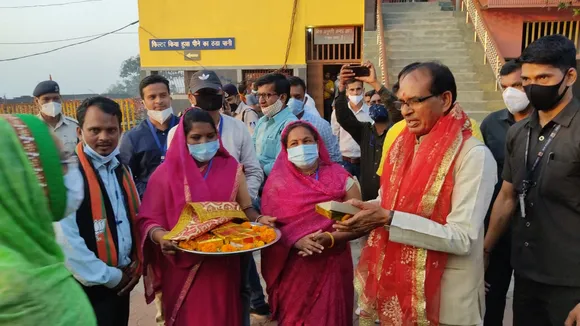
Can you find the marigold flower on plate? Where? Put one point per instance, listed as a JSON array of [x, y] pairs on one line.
[[268, 235], [209, 247], [228, 248]]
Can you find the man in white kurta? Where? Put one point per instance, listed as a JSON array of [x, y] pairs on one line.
[[427, 94]]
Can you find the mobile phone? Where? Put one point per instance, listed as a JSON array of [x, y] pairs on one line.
[[360, 71]]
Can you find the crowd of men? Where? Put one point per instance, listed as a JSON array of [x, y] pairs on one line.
[[531, 217]]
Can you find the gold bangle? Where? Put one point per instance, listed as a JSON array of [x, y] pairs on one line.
[[331, 239]]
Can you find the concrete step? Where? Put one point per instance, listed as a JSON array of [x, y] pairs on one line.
[[434, 33], [399, 45], [411, 7], [403, 61], [477, 115], [395, 39], [460, 71], [404, 52], [442, 25], [418, 14], [474, 105], [470, 95], [420, 21]]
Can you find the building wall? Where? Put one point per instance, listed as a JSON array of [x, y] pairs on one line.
[[260, 29], [507, 25]]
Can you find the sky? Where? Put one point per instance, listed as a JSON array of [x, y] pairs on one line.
[[86, 68]]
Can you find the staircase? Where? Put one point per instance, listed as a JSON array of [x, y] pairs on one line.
[[432, 31]]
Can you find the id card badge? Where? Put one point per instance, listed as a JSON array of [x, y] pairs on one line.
[[522, 198]]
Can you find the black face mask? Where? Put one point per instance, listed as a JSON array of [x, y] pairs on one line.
[[233, 107], [545, 98], [209, 102]]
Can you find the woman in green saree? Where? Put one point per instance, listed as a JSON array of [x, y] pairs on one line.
[[36, 189]]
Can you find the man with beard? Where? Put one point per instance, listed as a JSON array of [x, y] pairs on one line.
[[542, 179], [143, 148], [101, 246]]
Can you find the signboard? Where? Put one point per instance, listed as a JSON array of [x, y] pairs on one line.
[[226, 43], [334, 35], [192, 55]]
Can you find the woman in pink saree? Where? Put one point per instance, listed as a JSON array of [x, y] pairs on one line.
[[197, 290], [309, 272]]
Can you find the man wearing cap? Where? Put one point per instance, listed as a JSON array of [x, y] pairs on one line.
[[240, 110], [205, 92], [47, 99]]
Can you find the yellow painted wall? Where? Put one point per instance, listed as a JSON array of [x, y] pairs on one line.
[[260, 28]]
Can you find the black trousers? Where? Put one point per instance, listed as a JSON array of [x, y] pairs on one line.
[[110, 309], [498, 276], [540, 304]]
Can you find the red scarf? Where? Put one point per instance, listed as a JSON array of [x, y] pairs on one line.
[[397, 283], [106, 250]]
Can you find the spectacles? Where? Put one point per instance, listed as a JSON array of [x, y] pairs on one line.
[[267, 96], [412, 102]]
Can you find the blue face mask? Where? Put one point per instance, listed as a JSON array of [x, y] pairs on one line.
[[303, 156], [295, 106], [98, 158], [378, 113], [205, 151]]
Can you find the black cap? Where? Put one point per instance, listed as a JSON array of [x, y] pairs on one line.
[[230, 90], [45, 87], [204, 79]]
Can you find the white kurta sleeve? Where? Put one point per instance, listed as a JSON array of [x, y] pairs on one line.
[[474, 183]]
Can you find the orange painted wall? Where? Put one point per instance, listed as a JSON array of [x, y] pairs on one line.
[[507, 25]]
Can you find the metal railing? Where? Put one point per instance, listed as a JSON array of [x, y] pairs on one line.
[[536, 30], [381, 43], [481, 31], [133, 112], [526, 3]]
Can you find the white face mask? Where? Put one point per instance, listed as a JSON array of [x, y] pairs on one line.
[[273, 109], [51, 109], [356, 98], [75, 189], [96, 157], [160, 116], [515, 100]]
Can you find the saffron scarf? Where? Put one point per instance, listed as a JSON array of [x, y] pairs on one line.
[[106, 250], [400, 284]]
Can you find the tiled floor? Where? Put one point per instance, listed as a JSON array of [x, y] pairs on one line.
[[144, 315]]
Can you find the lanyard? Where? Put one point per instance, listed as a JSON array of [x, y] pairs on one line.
[[316, 176], [527, 182], [221, 127], [207, 170], [153, 130], [540, 153]]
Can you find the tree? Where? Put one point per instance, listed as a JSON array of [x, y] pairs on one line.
[[130, 75]]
